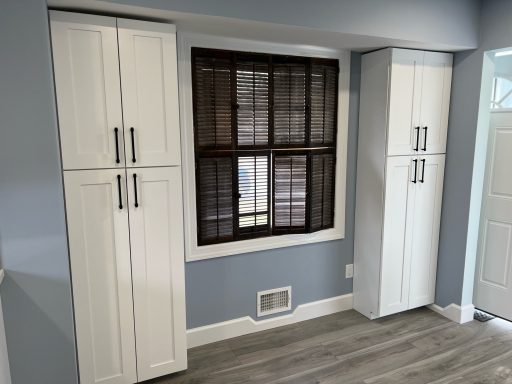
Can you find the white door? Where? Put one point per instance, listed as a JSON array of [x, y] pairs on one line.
[[493, 275], [156, 232], [149, 83], [88, 91], [435, 101], [425, 230], [404, 102], [401, 178], [97, 214]]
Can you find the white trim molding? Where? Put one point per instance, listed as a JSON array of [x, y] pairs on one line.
[[194, 252], [246, 325], [455, 312]]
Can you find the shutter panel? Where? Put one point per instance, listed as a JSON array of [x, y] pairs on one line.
[[324, 100], [289, 192], [289, 84], [212, 99], [322, 191], [252, 93], [215, 200], [253, 196]]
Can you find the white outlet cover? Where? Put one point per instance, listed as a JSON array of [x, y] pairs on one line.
[[349, 271]]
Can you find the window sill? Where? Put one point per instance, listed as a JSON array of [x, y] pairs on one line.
[[260, 244]]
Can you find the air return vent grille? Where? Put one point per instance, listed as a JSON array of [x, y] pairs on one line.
[[274, 301]]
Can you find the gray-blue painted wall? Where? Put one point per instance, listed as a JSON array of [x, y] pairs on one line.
[[495, 32], [225, 288], [36, 293]]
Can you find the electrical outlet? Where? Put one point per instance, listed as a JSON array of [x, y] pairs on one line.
[[349, 271]]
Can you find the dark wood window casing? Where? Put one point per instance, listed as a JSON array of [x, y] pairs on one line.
[[265, 144]]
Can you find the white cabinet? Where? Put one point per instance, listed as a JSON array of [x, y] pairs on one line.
[[124, 212], [117, 91], [149, 84], [86, 65], [156, 233], [99, 244], [419, 99], [398, 200]]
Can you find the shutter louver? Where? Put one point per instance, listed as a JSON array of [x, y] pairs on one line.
[[212, 101], [324, 90], [322, 191], [253, 200], [215, 200], [252, 103], [289, 183], [289, 104]]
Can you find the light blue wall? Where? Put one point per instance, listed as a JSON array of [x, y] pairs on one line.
[[225, 288], [456, 249], [36, 294], [453, 22]]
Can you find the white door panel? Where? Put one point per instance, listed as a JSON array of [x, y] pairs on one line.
[[404, 101], [396, 249], [425, 231], [435, 101], [88, 90], [149, 83], [156, 232], [101, 275], [493, 291]]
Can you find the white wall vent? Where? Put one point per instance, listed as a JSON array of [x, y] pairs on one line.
[[274, 301]]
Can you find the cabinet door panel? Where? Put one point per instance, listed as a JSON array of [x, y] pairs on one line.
[[88, 90], [396, 247], [435, 101], [101, 274], [425, 232], [156, 232], [149, 83], [404, 101]]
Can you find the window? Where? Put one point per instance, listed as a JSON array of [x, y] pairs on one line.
[[264, 144], [501, 93]]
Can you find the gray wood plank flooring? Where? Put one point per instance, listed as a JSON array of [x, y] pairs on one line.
[[415, 347]]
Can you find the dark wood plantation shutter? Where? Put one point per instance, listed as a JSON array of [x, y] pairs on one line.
[[322, 191], [215, 199], [265, 144]]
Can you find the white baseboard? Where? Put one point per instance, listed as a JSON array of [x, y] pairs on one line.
[[455, 312], [245, 325]]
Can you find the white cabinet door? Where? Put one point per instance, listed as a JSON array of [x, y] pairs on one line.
[[156, 233], [397, 236], [435, 102], [404, 101], [425, 230], [97, 216], [149, 84], [87, 84]]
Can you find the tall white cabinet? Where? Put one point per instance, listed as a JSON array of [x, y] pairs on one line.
[[117, 97], [403, 122]]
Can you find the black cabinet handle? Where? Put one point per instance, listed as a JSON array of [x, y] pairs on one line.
[[117, 144], [119, 191], [423, 171], [425, 142], [415, 161], [417, 129], [135, 190], [132, 130]]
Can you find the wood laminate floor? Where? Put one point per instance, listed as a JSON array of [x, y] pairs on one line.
[[414, 347]]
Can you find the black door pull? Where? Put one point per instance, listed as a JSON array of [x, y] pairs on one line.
[[117, 144], [425, 142], [423, 171], [132, 130], [417, 129], [119, 191], [415, 161], [135, 190]]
